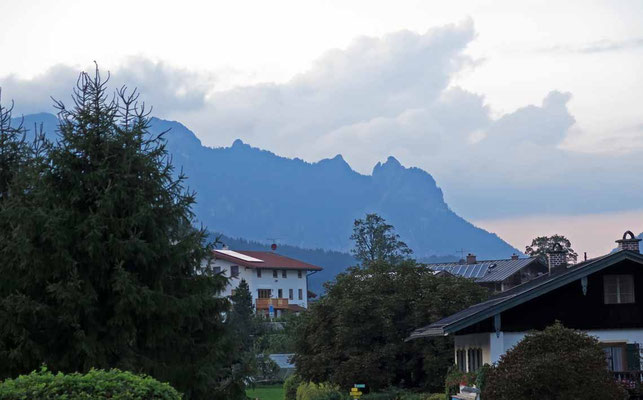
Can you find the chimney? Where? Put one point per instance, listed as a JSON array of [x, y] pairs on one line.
[[514, 256], [471, 258], [556, 256], [631, 244]]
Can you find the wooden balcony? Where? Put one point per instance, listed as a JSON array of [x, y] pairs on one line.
[[277, 304]]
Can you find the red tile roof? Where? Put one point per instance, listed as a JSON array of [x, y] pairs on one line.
[[268, 260]]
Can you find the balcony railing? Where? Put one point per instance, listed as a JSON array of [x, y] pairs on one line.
[[264, 304], [630, 380]]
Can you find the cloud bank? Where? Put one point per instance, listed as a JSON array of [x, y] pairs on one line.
[[393, 95], [166, 88]]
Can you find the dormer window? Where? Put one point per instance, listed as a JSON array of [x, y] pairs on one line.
[[618, 289]]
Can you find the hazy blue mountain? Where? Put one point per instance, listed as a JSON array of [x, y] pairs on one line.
[[254, 194]]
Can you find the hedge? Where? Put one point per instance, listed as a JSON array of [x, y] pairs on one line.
[[290, 387], [96, 384], [322, 391], [394, 394]]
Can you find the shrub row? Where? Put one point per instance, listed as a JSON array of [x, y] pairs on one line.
[[96, 384], [321, 391], [403, 395], [295, 389]]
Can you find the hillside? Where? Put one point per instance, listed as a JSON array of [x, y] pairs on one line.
[[254, 194]]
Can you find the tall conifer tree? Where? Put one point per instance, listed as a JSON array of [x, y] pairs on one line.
[[104, 267]]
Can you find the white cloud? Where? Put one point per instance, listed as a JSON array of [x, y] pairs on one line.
[[392, 95], [167, 88]]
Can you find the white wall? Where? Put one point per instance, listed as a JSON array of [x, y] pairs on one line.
[[493, 346], [474, 341], [267, 281]]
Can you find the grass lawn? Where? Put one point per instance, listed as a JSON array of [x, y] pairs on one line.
[[266, 392]]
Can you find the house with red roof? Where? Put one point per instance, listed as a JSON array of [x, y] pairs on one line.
[[277, 283]]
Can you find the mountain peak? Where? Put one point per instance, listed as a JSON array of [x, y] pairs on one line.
[[337, 162], [238, 143], [391, 164]]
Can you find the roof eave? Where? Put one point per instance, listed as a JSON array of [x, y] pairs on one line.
[[536, 291]]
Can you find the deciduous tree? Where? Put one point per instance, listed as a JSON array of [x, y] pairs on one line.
[[375, 240], [540, 245], [357, 331]]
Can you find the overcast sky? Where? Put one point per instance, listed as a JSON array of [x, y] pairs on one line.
[[523, 111]]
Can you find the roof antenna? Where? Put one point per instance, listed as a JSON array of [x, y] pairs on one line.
[[461, 251]]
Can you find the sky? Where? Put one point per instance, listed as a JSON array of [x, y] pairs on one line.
[[528, 114]]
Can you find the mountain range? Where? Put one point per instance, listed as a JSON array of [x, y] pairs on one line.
[[245, 192]]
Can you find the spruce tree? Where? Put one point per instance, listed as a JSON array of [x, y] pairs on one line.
[[14, 151], [244, 328], [102, 266]]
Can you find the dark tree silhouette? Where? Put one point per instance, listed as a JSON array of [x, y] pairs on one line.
[[375, 240], [540, 245], [101, 265]]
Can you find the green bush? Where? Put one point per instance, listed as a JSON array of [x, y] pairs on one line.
[[455, 377], [94, 385], [557, 363], [398, 394], [481, 379], [388, 395], [322, 391], [290, 387]]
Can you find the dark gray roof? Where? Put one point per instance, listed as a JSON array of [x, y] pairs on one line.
[[282, 360], [522, 293], [485, 271]]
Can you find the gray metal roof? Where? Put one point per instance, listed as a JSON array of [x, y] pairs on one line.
[[283, 360], [522, 293], [485, 271]]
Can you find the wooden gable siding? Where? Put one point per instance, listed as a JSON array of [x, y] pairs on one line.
[[575, 310]]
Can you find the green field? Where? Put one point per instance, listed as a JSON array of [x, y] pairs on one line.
[[266, 392]]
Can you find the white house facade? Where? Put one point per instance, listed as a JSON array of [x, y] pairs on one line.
[[277, 283]]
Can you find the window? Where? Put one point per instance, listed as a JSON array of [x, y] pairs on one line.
[[258, 273], [280, 294], [274, 273], [299, 274], [614, 358], [301, 294], [474, 358], [290, 294], [460, 360], [234, 271], [284, 274], [618, 289], [216, 270], [264, 293], [622, 356]]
